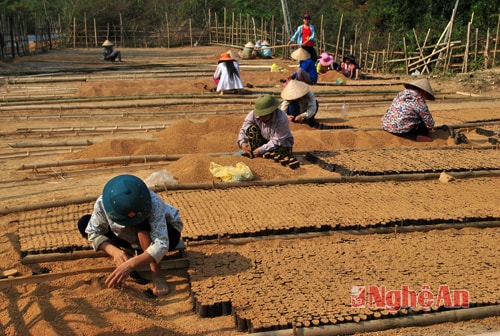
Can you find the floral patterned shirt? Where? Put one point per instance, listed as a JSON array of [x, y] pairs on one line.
[[408, 108]]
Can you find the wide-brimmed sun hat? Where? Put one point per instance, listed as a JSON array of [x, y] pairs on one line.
[[326, 59], [250, 45], [265, 105], [422, 84], [107, 43], [127, 200], [300, 54], [294, 90], [233, 54], [225, 57]]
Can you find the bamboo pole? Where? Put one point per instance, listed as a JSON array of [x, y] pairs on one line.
[[338, 38], [180, 263], [209, 26], [95, 33], [216, 28], [74, 32], [496, 42], [321, 42], [168, 29], [233, 29], [85, 30], [121, 31], [450, 32], [190, 34], [225, 27], [367, 49], [465, 66], [406, 55], [227, 185], [24, 144], [486, 49], [475, 45]]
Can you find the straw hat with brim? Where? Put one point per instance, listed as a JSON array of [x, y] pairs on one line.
[[265, 105], [265, 43], [249, 45], [326, 59], [422, 84], [126, 200], [300, 54], [107, 43], [294, 90], [225, 57], [234, 55]]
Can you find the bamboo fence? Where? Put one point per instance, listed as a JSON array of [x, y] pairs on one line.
[[478, 50]]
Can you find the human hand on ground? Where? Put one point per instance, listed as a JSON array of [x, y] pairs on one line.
[[119, 275], [245, 147], [119, 257]]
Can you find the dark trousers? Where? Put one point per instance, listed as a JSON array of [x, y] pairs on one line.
[[418, 129], [174, 236], [294, 110]]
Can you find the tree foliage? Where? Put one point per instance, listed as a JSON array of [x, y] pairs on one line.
[[378, 17]]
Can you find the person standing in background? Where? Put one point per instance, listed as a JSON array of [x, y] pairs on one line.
[[305, 35]]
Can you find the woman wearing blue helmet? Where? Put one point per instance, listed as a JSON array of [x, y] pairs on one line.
[[129, 216]]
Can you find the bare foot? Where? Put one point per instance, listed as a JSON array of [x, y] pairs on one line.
[[160, 286]]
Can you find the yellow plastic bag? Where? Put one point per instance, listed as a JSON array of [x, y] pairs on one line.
[[241, 172]]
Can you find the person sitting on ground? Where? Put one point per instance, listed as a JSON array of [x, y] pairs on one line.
[[129, 216], [408, 116], [307, 69], [326, 63], [348, 66], [227, 74], [299, 102], [305, 35], [266, 51], [266, 132], [109, 53], [248, 51]]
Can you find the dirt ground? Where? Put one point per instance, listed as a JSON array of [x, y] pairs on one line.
[[156, 103]]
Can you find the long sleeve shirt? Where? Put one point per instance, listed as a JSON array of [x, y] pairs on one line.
[[307, 105], [161, 213], [297, 36], [308, 66], [276, 131], [226, 82], [408, 108]]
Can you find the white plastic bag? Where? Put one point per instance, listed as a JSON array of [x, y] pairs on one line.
[[161, 177], [241, 172]]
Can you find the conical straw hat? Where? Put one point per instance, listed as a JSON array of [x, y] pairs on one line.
[[422, 84], [249, 45], [300, 54], [234, 55], [107, 43], [294, 90]]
